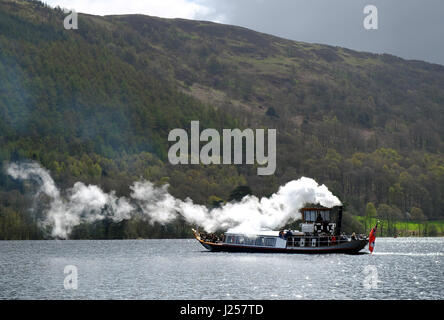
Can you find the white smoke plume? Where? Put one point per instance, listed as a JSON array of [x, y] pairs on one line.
[[83, 203]]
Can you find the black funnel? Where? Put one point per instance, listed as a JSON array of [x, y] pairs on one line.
[[338, 210]]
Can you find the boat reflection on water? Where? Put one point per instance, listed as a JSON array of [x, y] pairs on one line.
[[320, 233]]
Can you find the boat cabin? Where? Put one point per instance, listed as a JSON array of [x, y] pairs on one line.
[[263, 239], [321, 220]]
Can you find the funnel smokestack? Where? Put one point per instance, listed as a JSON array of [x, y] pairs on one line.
[[339, 219]]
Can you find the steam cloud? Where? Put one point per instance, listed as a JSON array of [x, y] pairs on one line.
[[89, 203]]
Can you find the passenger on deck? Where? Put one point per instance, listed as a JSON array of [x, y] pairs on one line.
[[281, 234], [319, 218], [288, 234], [353, 236]]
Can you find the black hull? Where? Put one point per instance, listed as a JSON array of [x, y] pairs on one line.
[[352, 247]]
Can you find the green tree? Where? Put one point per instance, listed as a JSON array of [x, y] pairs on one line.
[[239, 193], [215, 201], [417, 215], [432, 230], [370, 215]]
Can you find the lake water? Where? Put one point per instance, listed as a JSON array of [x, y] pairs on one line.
[[403, 268]]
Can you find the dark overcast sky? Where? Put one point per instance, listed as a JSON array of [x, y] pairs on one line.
[[412, 29]]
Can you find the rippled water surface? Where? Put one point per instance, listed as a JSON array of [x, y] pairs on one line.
[[405, 268]]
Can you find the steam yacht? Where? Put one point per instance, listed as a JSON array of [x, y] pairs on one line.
[[320, 233]]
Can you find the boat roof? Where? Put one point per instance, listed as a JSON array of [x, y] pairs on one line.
[[268, 233]]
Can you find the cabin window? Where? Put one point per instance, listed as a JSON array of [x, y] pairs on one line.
[[230, 239], [250, 241], [260, 241], [325, 215], [240, 240], [313, 242], [310, 215], [270, 242]]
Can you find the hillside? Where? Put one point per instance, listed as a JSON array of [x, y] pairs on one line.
[[96, 105]]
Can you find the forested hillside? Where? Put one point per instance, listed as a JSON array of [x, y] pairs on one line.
[[96, 105]]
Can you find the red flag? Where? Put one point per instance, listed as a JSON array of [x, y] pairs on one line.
[[371, 238]]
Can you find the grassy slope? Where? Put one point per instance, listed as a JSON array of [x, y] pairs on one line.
[[407, 228]]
